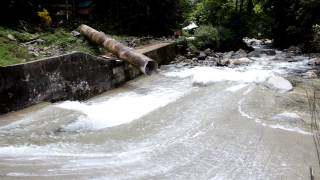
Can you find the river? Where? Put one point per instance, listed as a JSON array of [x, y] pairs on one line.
[[183, 123]]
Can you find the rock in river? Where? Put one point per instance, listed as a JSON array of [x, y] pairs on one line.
[[202, 56], [279, 83], [239, 54]]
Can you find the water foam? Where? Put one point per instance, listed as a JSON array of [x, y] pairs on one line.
[[291, 129], [236, 87], [59, 149], [208, 75], [122, 108]]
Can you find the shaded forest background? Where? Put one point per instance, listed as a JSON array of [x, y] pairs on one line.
[[223, 23]]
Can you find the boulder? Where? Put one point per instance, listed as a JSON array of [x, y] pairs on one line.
[[314, 62], [228, 55], [190, 55], [239, 54], [194, 59], [294, 50], [310, 74], [210, 58], [202, 56], [223, 62], [279, 83], [208, 52], [180, 58]]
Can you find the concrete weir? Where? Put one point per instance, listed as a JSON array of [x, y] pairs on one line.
[[74, 76]]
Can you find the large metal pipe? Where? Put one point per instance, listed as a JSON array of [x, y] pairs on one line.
[[144, 63]]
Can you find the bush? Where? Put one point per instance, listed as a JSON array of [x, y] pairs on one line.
[[230, 21], [315, 43], [218, 38], [206, 37]]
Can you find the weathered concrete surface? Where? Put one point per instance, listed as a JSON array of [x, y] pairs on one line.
[[163, 53], [74, 76]]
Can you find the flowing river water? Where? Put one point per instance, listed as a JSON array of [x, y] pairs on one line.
[[182, 123]]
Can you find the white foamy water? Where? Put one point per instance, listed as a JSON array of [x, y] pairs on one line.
[[47, 150], [236, 87], [292, 129], [122, 108], [208, 75]]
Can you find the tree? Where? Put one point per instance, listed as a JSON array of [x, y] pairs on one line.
[[142, 17], [293, 21]]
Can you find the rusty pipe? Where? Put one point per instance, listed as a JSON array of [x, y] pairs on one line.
[[145, 64]]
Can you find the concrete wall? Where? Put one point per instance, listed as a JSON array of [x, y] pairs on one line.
[[75, 76]]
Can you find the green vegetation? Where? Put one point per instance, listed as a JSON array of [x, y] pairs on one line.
[[226, 22], [66, 42], [217, 38], [140, 17], [45, 44], [293, 21], [206, 36], [223, 24], [287, 22], [315, 42], [10, 51]]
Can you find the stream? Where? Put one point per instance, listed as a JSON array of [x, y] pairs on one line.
[[182, 123]]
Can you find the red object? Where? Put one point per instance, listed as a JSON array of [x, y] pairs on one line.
[[177, 33]]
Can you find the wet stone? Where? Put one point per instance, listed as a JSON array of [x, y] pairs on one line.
[[208, 52], [279, 83], [239, 54], [223, 62], [314, 62], [228, 55], [190, 55], [202, 56], [310, 74]]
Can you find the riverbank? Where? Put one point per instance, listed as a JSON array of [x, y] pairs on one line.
[[261, 48]]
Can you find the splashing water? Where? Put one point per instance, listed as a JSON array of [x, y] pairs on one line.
[[183, 123]]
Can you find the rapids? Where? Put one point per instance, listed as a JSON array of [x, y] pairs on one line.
[[182, 123]]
